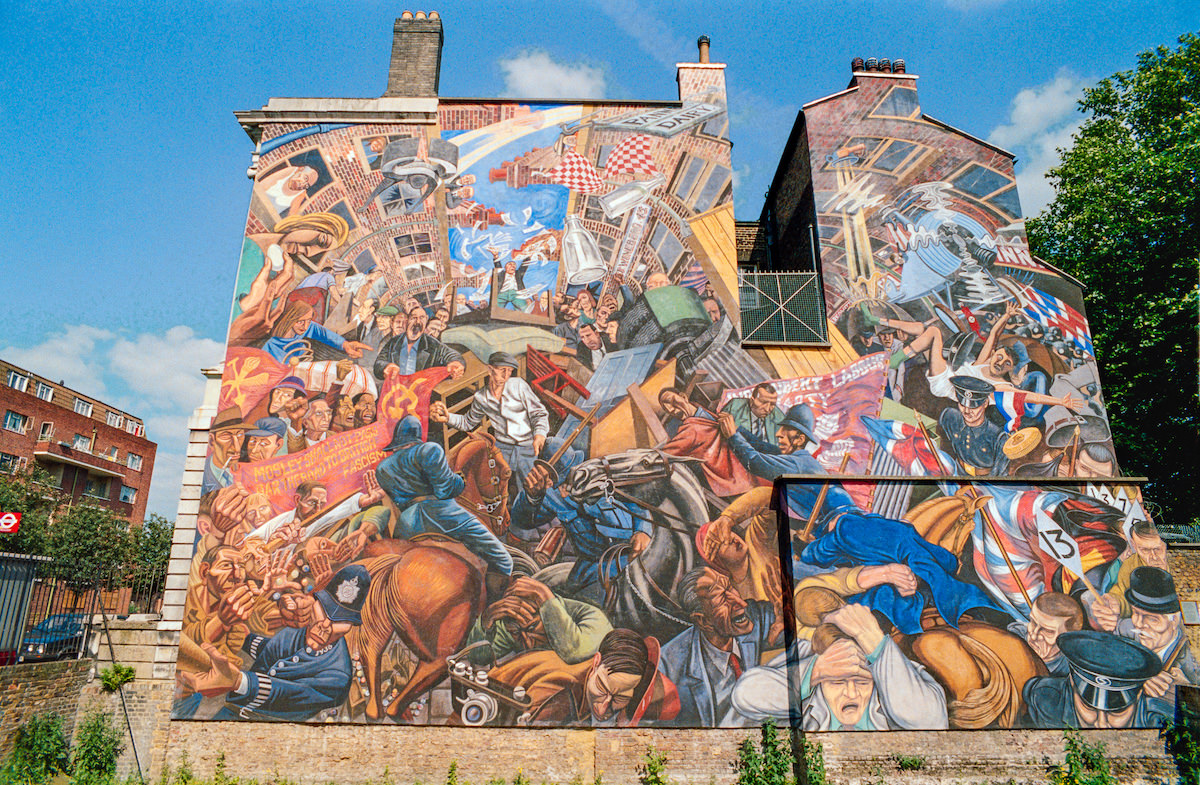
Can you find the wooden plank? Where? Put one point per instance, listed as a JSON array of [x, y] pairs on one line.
[[642, 405]]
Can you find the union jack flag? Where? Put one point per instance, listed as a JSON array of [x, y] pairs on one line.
[[1049, 311], [631, 155], [575, 172], [910, 448]]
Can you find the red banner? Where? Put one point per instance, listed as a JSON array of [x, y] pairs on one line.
[[341, 461]]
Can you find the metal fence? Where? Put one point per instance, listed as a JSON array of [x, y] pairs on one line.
[[48, 609]]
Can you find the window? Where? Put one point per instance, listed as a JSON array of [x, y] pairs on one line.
[[111, 453], [411, 244], [134, 461], [96, 487], [47, 431], [17, 381], [82, 443], [115, 420], [83, 407], [899, 102], [989, 186], [666, 245], [592, 211], [712, 189], [689, 172], [55, 471], [15, 421], [8, 463], [134, 427], [128, 495], [45, 391], [896, 153]]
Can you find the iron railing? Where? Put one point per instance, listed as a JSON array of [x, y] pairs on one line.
[[49, 610]]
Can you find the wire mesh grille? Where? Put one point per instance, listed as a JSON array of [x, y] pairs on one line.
[[782, 308]]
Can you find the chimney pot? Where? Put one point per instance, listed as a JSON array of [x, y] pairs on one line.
[[885, 65], [898, 67], [702, 44], [856, 64], [415, 67], [434, 15], [872, 64]]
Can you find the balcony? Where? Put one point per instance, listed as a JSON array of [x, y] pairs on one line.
[[48, 451]]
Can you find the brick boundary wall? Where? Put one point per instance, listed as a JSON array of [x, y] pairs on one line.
[[37, 687], [350, 754]]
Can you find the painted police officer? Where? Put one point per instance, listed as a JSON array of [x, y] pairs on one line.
[[1104, 687], [976, 441]]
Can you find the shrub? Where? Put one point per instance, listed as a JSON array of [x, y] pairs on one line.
[[653, 768], [39, 751], [1085, 763], [771, 763], [97, 745], [115, 675], [1183, 742]]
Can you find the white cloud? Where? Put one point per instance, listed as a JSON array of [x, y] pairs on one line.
[[535, 74], [654, 36], [69, 356], [163, 368], [1041, 120], [154, 376]]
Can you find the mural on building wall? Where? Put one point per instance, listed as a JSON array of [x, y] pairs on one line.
[[489, 451]]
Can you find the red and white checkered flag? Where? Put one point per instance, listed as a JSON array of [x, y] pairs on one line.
[[631, 155], [575, 172]]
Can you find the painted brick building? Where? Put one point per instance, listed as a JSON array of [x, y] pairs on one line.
[[95, 452], [506, 376]]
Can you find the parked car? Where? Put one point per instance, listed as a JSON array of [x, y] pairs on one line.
[[56, 637]]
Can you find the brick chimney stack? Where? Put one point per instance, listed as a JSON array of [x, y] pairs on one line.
[[416, 62]]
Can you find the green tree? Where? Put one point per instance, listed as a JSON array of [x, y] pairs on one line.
[[91, 543], [1126, 221], [31, 493], [150, 550]]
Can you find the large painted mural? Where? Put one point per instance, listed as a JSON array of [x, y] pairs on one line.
[[489, 450]]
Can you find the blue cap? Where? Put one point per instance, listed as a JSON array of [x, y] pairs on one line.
[[343, 598]]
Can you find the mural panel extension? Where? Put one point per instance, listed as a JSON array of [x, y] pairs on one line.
[[489, 450]]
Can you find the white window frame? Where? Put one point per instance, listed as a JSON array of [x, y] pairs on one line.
[[17, 380], [87, 443], [45, 391], [133, 461], [20, 421], [44, 433], [132, 494], [114, 419], [83, 407]]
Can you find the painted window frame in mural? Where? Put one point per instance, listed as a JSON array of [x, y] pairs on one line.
[[887, 97], [988, 198]]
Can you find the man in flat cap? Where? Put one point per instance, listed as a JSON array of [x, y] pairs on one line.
[[266, 439], [300, 671], [1155, 621], [225, 437], [519, 420], [1104, 687]]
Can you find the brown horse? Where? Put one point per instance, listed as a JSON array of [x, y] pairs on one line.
[[428, 593], [486, 474]]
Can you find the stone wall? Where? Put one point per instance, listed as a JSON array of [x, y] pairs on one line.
[[34, 688]]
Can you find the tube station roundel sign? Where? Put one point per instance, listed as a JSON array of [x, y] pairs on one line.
[[10, 522]]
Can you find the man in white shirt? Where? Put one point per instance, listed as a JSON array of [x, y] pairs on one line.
[[519, 420]]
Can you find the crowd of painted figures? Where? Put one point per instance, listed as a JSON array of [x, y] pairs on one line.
[[609, 553]]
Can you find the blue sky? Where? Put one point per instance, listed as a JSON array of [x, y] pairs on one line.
[[125, 167]]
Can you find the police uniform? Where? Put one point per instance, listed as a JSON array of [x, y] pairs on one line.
[[1106, 672], [289, 680], [979, 448]]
